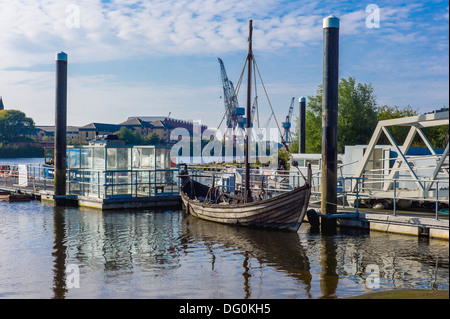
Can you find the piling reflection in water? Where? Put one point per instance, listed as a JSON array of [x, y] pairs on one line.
[[59, 252], [166, 254]]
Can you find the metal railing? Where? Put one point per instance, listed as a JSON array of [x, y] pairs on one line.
[[94, 183], [273, 182], [123, 183], [38, 176], [264, 183], [435, 196]]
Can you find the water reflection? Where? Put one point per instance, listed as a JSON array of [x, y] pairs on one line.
[[166, 254], [279, 250], [150, 247], [112, 241], [329, 278], [59, 253]]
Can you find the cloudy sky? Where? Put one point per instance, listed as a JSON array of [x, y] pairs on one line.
[[130, 57]]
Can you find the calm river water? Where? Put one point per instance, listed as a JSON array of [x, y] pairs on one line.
[[53, 252]]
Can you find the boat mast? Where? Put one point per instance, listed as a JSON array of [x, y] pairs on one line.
[[247, 193]]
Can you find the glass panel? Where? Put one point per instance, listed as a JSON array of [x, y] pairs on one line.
[[111, 158], [148, 158], [49, 156], [160, 158], [301, 163], [86, 158], [122, 158], [167, 164], [99, 158], [314, 163], [122, 183], [136, 157], [74, 158]]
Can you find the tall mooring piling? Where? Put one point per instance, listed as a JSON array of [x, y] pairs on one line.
[[329, 121], [302, 122], [60, 127]]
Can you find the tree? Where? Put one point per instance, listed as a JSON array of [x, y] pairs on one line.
[[14, 125], [437, 135], [130, 136], [357, 116], [152, 139], [399, 133]]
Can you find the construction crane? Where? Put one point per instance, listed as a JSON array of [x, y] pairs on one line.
[[234, 113], [287, 125]]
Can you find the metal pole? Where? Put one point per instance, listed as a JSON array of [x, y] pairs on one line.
[[437, 201], [61, 124], [395, 198], [302, 136], [329, 114], [248, 112]]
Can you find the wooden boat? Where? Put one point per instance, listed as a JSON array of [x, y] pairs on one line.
[[285, 211]]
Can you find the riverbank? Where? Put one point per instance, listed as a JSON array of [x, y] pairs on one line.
[[25, 150], [405, 294]]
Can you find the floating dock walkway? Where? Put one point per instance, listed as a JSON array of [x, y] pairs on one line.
[[407, 222], [46, 193]]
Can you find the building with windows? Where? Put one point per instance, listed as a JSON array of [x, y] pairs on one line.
[[145, 125], [47, 134], [92, 130]]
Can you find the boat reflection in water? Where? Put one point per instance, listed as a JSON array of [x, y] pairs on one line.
[[171, 255], [168, 254], [281, 251]]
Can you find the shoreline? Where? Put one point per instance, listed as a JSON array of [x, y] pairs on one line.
[[404, 294]]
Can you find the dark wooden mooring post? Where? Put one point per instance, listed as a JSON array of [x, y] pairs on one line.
[[329, 120], [60, 127], [302, 120]]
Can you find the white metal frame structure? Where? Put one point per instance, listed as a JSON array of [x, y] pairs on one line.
[[415, 123]]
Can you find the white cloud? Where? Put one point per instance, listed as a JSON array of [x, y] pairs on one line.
[[31, 30]]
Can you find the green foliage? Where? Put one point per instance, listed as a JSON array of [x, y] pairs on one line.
[[357, 116], [133, 137], [293, 148], [399, 133], [18, 151], [283, 160], [14, 125], [152, 139], [387, 112], [437, 136], [313, 131], [130, 136]]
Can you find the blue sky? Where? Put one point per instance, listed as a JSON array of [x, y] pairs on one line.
[[146, 58]]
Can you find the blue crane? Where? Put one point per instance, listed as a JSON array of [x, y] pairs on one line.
[[287, 125], [234, 113]]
